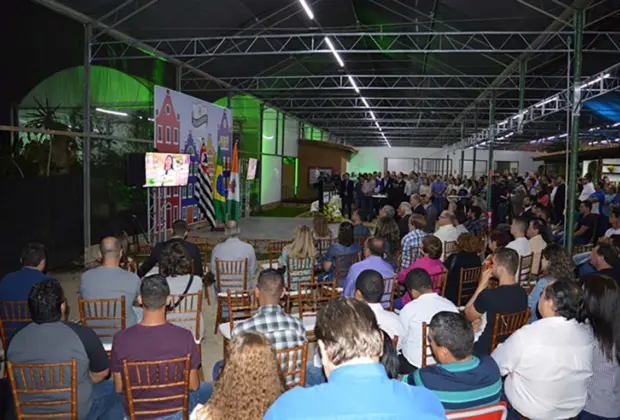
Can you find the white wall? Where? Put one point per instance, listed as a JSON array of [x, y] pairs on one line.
[[370, 159]]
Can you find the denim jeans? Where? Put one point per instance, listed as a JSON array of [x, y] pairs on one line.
[[106, 403], [587, 416], [367, 210], [200, 396]]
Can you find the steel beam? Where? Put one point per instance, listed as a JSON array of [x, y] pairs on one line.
[[352, 43], [114, 18], [86, 150], [490, 164], [544, 12], [580, 17]]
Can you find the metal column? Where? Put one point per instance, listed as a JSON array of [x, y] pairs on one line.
[[490, 142], [88, 35], [579, 21], [522, 73], [462, 168], [473, 168]]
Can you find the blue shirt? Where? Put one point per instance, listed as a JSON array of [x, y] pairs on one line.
[[534, 297], [600, 196], [371, 263], [461, 386], [360, 230], [16, 286], [357, 392]]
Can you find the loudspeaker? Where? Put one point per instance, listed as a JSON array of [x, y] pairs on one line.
[[135, 170]]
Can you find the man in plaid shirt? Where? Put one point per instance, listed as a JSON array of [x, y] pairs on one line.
[[283, 330], [412, 242], [474, 224]]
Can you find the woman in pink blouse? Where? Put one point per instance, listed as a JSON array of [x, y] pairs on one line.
[[431, 251]]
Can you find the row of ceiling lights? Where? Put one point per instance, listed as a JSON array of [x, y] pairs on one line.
[[329, 43]]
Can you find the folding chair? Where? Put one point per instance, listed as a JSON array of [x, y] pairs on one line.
[[310, 299], [506, 324], [342, 263], [525, 272], [468, 283], [104, 316], [390, 288], [229, 275], [188, 314], [427, 352], [298, 270]]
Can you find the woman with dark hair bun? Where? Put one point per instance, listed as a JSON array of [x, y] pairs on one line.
[[345, 245], [469, 247], [601, 304]]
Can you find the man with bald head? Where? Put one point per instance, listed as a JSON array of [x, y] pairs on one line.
[[373, 260], [109, 281], [234, 248]]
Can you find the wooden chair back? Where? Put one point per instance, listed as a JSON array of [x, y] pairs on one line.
[[390, 288], [468, 283], [342, 263], [525, 271], [580, 249], [44, 388], [439, 281], [311, 297], [322, 245], [185, 312], [105, 317], [448, 248], [492, 412], [427, 352], [506, 324], [293, 362], [13, 317], [361, 241], [274, 250], [146, 384], [231, 274], [299, 270], [241, 305]]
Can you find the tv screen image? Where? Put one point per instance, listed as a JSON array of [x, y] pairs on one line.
[[166, 169]]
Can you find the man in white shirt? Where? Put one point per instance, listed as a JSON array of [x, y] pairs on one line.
[[548, 363], [234, 248], [518, 229], [369, 288], [537, 242], [425, 304], [446, 232], [588, 188]]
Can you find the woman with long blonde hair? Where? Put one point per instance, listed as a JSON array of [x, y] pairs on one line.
[[249, 383], [301, 253]]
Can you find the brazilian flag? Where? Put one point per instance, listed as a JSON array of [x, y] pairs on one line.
[[219, 196]]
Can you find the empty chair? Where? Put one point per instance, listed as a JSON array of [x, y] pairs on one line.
[[186, 312], [229, 275], [274, 250], [293, 362], [241, 305]]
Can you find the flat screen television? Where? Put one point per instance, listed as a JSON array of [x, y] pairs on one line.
[[166, 169]]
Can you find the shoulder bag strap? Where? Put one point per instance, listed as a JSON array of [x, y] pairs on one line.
[[189, 284]]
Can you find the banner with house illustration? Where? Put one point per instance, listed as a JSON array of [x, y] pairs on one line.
[[183, 124]]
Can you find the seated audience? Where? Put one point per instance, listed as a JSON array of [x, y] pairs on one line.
[[416, 205], [461, 380], [252, 369], [387, 229], [586, 225], [509, 297], [548, 364], [127, 263], [176, 267], [601, 303], [556, 265], [180, 230], [467, 256], [15, 286], [606, 260], [425, 304], [359, 229], [474, 224], [404, 213], [233, 249], [536, 234], [373, 252], [430, 262], [109, 281], [302, 248], [459, 221], [345, 245], [518, 229], [358, 388], [446, 232], [156, 339], [50, 338], [321, 227], [497, 239], [411, 244], [369, 288]]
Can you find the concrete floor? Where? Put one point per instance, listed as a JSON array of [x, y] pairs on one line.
[[262, 228]]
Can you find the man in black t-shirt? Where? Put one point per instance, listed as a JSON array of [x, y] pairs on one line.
[[586, 225], [508, 298]]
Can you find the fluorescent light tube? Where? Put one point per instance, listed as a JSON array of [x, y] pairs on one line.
[[331, 47], [306, 7], [353, 84], [372, 115], [108, 111], [365, 103]]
